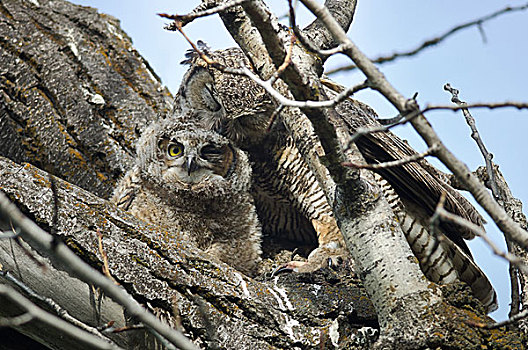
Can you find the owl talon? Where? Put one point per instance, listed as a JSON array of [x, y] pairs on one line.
[[292, 266]]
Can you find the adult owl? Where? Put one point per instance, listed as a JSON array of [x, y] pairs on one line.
[[194, 180], [291, 204]]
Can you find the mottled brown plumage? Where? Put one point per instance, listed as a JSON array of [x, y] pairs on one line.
[[290, 203], [195, 181]]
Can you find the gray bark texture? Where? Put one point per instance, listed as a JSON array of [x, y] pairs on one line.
[[74, 97], [74, 94], [213, 303]]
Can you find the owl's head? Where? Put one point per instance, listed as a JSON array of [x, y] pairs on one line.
[[181, 158], [230, 104]]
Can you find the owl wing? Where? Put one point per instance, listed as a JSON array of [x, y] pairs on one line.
[[127, 189], [441, 260], [418, 182]]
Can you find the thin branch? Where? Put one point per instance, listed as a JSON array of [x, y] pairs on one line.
[[511, 229], [514, 319], [42, 241], [434, 223], [16, 320], [305, 41], [178, 27], [273, 117], [8, 234], [491, 105], [382, 128], [400, 120], [479, 231], [106, 269], [434, 41], [26, 251], [492, 183], [34, 312], [266, 85], [198, 12], [475, 135], [317, 34], [61, 312], [399, 162], [286, 63]]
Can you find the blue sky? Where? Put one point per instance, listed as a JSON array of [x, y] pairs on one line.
[[493, 70]]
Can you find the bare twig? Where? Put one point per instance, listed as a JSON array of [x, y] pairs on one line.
[[34, 312], [476, 136], [382, 128], [513, 208], [434, 41], [178, 27], [400, 120], [518, 105], [273, 117], [434, 224], [16, 320], [479, 231], [58, 251], [318, 35], [399, 162], [492, 183], [286, 63], [9, 234], [26, 251], [266, 85], [304, 41], [420, 124], [106, 269], [514, 319], [198, 12]]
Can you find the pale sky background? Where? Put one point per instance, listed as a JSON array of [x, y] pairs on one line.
[[493, 70]]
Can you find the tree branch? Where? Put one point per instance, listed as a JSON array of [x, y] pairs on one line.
[[178, 281], [435, 41], [316, 32], [511, 229], [33, 312]]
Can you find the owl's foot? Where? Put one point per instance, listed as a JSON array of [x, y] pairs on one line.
[[329, 255]]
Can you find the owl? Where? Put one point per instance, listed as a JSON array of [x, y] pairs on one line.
[[195, 181], [290, 203], [237, 108]]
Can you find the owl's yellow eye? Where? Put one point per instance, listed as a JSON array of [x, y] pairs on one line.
[[175, 150]]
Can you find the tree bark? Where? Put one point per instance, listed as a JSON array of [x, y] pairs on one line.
[[217, 306], [74, 93]]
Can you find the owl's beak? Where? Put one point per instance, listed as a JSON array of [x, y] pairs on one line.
[[191, 165]]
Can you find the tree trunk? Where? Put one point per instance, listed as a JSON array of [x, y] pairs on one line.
[[74, 94], [216, 305]]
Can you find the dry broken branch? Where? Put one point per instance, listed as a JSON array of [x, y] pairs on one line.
[[436, 40]]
